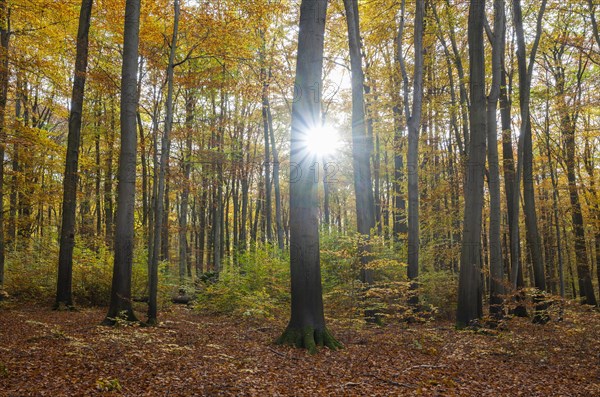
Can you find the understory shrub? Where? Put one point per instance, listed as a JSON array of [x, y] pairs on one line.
[[257, 286], [31, 274]]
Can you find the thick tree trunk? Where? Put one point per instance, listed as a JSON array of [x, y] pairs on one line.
[[69, 204], [469, 288], [164, 155], [307, 323], [361, 143], [120, 297]]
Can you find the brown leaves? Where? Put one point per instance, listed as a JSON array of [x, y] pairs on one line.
[[64, 353]]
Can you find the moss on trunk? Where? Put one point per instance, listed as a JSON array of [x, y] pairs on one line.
[[309, 339]]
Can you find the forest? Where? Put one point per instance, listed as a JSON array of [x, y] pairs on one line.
[[299, 197]]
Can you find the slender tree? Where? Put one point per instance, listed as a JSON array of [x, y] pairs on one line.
[[361, 143], [4, 75], [164, 155], [307, 323], [525, 158], [185, 194], [67, 233], [120, 296], [496, 265], [413, 117], [469, 287]]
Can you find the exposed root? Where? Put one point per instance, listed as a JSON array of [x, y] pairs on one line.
[[309, 338]]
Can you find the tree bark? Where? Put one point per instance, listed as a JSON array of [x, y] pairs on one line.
[[164, 155], [69, 204], [469, 288], [120, 297], [413, 117], [496, 265], [361, 143], [525, 74], [276, 184], [4, 76], [307, 323], [187, 168]]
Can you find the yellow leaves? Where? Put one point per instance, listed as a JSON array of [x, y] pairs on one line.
[[108, 384]]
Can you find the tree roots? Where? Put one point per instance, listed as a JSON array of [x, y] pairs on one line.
[[309, 338]]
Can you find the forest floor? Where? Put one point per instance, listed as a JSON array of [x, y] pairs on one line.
[[49, 353]]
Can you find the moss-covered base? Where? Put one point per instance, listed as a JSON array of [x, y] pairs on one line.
[[309, 339]]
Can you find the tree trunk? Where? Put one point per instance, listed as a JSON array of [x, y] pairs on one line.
[[555, 212], [267, 158], [413, 117], [164, 155], [276, 184], [496, 265], [69, 204], [4, 76], [108, 180], [469, 288], [361, 144], [187, 168], [307, 323], [525, 73], [120, 297]]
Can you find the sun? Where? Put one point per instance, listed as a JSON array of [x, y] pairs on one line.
[[322, 141]]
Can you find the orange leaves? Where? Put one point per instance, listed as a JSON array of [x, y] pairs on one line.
[[188, 354]]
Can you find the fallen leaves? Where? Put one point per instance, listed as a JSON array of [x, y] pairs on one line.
[[43, 352]]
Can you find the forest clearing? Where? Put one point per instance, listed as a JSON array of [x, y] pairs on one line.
[[47, 353]]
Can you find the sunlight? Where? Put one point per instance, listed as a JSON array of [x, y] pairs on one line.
[[322, 141]]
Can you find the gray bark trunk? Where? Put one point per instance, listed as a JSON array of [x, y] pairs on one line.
[[525, 73], [413, 117], [495, 245], [69, 204], [120, 297], [307, 323], [469, 288], [164, 155], [4, 42], [184, 258], [361, 143]]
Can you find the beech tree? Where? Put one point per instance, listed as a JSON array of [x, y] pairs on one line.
[[361, 143], [413, 117], [164, 156], [69, 203], [496, 265], [120, 296], [4, 75], [307, 322], [469, 287]]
